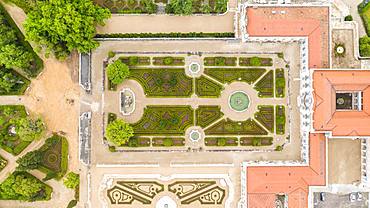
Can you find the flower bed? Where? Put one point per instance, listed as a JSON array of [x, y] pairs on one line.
[[169, 61], [168, 142], [255, 61], [220, 61], [221, 141], [135, 60], [256, 141]]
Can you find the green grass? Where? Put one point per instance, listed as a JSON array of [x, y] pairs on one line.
[[280, 119], [206, 115], [265, 115], [164, 120], [163, 82], [265, 86], [37, 64], [205, 87], [228, 75], [10, 143], [55, 156], [220, 61], [21, 83], [229, 127], [279, 83], [221, 141]]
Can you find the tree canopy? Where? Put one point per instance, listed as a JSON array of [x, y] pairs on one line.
[[119, 132], [72, 180], [30, 161], [28, 129], [117, 72], [64, 25], [365, 46], [21, 186]]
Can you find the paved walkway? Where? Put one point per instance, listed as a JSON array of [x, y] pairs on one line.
[[167, 24], [11, 100]]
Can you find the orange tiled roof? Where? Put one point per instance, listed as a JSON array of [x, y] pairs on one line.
[[341, 123], [311, 22], [293, 181]]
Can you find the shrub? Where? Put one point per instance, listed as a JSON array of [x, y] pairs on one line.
[[112, 148], [348, 18], [168, 35], [255, 61], [72, 204], [72, 180], [167, 142], [111, 54], [133, 142], [221, 142], [365, 46], [28, 129], [279, 148], [117, 72], [168, 60], [133, 60], [30, 161], [119, 132], [256, 142]]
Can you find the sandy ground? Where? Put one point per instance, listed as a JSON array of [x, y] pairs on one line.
[[53, 95], [344, 161]]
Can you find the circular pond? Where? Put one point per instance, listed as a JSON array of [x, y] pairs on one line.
[[239, 101]]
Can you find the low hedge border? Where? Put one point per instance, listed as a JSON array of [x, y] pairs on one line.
[[168, 35]]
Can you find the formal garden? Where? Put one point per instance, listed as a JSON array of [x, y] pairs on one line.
[[166, 77], [178, 7]]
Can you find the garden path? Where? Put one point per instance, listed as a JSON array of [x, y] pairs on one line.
[[51, 95]]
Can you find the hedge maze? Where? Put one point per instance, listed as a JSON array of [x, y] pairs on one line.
[[206, 115], [205, 87], [265, 86], [228, 75], [265, 115], [229, 127], [163, 82], [164, 120]]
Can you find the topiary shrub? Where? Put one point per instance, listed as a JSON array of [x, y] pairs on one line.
[[167, 142], [221, 142], [348, 18], [256, 142], [168, 61], [111, 54], [133, 142], [133, 60], [279, 148], [255, 61]]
